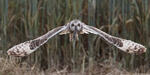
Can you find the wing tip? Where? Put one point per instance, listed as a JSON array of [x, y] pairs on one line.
[[13, 53], [19, 50], [140, 50]]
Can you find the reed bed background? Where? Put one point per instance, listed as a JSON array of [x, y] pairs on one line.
[[22, 20]]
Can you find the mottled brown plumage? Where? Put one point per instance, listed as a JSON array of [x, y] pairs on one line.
[[74, 28]]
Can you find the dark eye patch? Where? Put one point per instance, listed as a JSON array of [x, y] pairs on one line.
[[72, 25], [78, 24]]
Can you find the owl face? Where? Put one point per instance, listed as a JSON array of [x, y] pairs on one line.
[[75, 26]]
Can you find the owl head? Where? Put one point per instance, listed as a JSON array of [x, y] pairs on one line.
[[75, 26]]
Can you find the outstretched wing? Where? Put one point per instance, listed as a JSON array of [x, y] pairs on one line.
[[28, 47], [123, 44]]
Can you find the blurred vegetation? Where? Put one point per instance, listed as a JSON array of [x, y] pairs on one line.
[[22, 20]]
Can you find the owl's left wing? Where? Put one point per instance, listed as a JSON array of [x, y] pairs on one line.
[[27, 47], [123, 44]]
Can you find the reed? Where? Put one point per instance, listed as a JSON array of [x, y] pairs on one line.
[[22, 20]]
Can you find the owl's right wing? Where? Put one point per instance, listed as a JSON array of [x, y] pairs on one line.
[[27, 47], [123, 44]]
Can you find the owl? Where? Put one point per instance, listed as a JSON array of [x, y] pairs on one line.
[[74, 28]]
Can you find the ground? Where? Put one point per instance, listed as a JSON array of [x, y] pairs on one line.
[[9, 67]]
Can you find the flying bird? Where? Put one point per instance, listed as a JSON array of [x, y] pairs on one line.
[[74, 28]]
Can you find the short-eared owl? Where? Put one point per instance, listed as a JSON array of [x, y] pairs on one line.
[[74, 28]]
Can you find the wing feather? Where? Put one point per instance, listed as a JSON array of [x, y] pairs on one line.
[[30, 46], [123, 44]]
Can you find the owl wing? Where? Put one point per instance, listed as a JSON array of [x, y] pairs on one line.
[[30, 46], [123, 44]]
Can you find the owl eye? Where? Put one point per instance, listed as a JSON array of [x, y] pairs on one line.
[[79, 25], [72, 25]]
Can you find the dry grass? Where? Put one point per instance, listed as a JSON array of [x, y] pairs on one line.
[[12, 67]]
